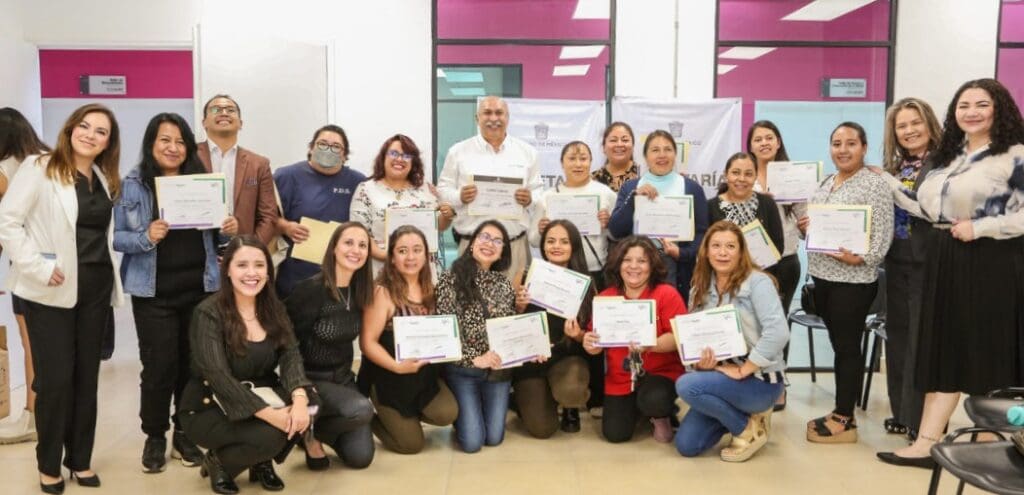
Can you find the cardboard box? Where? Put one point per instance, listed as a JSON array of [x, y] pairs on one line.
[[5, 375]]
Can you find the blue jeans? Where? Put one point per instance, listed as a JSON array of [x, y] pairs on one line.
[[719, 404], [482, 407]]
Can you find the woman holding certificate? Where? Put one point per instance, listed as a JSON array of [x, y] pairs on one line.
[[326, 311], [475, 290], [57, 227], [734, 396], [562, 380], [973, 298], [168, 273], [846, 245], [738, 203], [407, 391], [638, 379]]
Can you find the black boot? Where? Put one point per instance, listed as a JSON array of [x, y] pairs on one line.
[[183, 448], [154, 457], [265, 475], [220, 481], [570, 420]]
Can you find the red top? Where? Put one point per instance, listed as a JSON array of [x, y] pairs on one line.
[[668, 305]]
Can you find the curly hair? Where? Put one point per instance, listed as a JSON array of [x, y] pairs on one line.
[[415, 176], [1007, 126], [613, 267]]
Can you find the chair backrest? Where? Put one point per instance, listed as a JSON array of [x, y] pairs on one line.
[[878, 305]]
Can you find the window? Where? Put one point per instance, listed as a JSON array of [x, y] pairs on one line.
[[1010, 59]]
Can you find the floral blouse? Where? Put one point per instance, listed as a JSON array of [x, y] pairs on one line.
[[615, 182], [495, 289], [371, 200], [907, 176]]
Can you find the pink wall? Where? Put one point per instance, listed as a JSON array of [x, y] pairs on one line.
[[149, 73], [516, 19], [761, 20], [538, 63], [1011, 72], [1012, 23]]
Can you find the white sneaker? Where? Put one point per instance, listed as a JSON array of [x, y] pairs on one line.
[[596, 412], [20, 430]]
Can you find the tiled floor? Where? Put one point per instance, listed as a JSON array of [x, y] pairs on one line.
[[567, 463]]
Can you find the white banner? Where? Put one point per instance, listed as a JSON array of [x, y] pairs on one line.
[[549, 125], [707, 133]]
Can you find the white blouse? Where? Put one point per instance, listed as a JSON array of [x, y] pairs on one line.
[[370, 202]]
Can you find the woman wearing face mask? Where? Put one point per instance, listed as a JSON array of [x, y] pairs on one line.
[[972, 303], [319, 187], [734, 396], [327, 312], [662, 179], [397, 182], [475, 290], [618, 151], [846, 283], [56, 224], [562, 380], [404, 393], [738, 203], [168, 273]]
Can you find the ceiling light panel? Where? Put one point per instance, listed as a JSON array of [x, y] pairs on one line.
[[825, 10], [570, 70], [577, 52]]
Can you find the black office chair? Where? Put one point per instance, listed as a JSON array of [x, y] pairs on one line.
[[875, 328], [812, 322], [995, 467], [989, 410]]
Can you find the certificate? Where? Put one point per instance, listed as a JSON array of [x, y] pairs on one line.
[[496, 196], [620, 322], [558, 290], [580, 209], [838, 226], [196, 201], [794, 182], [717, 328], [424, 219], [315, 246], [667, 217], [433, 338], [762, 249], [520, 338]]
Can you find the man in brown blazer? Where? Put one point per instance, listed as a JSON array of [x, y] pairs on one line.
[[248, 174]]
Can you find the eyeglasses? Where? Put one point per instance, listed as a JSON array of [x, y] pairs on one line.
[[394, 154], [495, 241], [335, 148], [224, 109]]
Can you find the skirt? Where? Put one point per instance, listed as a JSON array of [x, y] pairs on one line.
[[972, 315]]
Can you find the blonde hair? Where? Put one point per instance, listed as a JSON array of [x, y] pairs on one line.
[[704, 275], [893, 153]]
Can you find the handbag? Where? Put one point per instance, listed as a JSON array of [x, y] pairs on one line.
[[807, 298], [266, 394]]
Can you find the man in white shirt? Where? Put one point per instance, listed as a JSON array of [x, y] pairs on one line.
[[492, 152]]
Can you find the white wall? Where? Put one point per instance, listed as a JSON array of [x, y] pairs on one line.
[[19, 84]]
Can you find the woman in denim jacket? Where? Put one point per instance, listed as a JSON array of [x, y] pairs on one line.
[[167, 272], [736, 395]]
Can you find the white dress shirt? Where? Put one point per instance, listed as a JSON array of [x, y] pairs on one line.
[[224, 162]]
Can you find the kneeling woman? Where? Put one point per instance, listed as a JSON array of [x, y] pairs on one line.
[[239, 336], [409, 391], [734, 396], [639, 379], [327, 312], [563, 379], [474, 290]]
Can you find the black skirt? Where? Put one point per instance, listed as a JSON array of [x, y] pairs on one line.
[[972, 315]]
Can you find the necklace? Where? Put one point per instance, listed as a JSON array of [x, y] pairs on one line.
[[347, 297]]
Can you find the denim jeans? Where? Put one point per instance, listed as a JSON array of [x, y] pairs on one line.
[[482, 407], [719, 405]]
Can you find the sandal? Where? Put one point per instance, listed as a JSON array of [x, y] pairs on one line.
[[747, 443], [894, 427], [819, 432]]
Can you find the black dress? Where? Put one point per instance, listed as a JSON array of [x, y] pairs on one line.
[[561, 347]]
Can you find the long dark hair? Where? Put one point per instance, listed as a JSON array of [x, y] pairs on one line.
[[612, 269], [1007, 125], [780, 155], [149, 169], [724, 186], [62, 160], [17, 137], [270, 312], [577, 261], [464, 268], [362, 280], [394, 282], [415, 176]]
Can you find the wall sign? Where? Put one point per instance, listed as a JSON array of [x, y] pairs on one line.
[[103, 85], [844, 88]]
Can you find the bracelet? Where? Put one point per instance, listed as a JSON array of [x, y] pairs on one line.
[[299, 394]]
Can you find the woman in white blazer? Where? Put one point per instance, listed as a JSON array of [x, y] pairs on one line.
[[56, 225]]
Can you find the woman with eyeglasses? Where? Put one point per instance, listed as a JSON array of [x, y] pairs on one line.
[[319, 187], [397, 182]]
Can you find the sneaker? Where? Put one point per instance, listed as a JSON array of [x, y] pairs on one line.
[[662, 429], [154, 458], [184, 449], [22, 429]]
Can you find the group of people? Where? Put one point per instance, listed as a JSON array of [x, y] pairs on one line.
[[253, 349]]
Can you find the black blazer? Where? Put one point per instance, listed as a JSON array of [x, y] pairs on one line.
[[767, 213]]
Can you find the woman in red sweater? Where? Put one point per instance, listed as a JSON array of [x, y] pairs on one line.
[[640, 380]]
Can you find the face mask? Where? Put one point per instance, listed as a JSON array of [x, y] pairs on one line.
[[326, 158]]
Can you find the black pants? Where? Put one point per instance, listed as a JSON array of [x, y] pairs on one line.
[[787, 274], [238, 444], [904, 281], [161, 324], [67, 361], [654, 397], [844, 307], [343, 421]]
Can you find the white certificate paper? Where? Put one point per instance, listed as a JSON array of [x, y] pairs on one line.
[[520, 338], [838, 226], [496, 196], [762, 249], [717, 328], [197, 201], [580, 209], [794, 182], [424, 219], [433, 338], [558, 290], [620, 322], [667, 217]]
